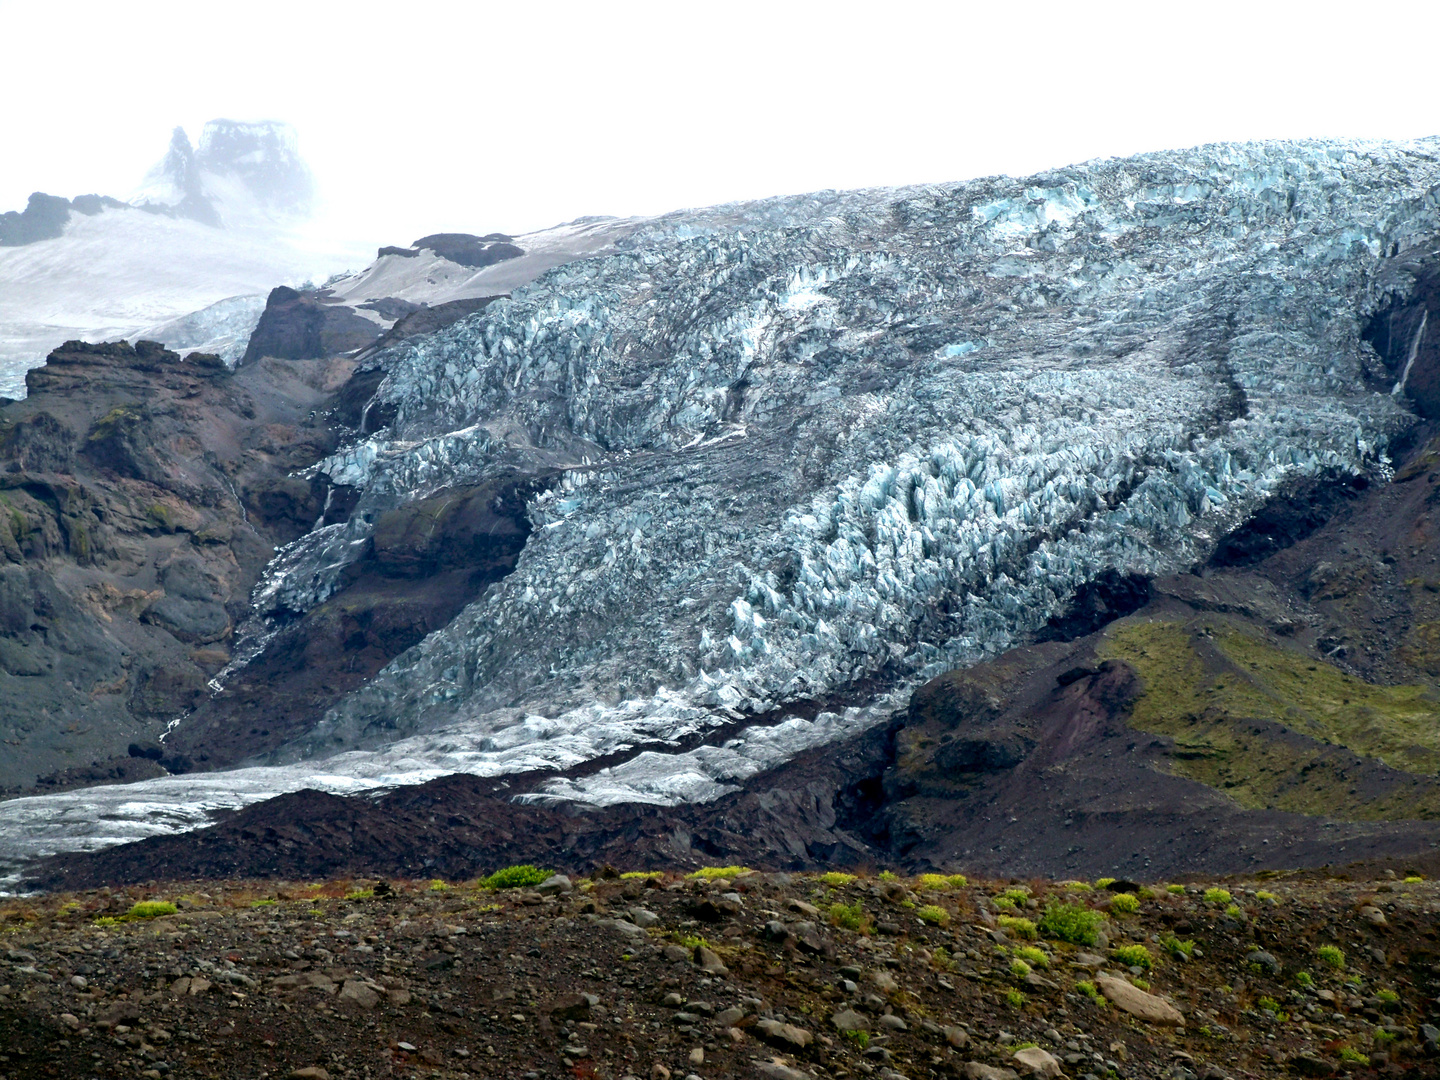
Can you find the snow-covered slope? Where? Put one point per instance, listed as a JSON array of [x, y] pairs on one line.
[[822, 443]]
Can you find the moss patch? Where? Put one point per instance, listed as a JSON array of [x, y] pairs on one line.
[[1230, 701]]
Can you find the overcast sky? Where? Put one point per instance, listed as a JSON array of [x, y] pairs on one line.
[[479, 116]]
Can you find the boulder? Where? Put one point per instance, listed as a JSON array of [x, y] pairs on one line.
[[1137, 1002]]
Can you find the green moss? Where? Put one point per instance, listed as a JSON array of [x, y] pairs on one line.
[[1175, 890], [1331, 955], [848, 916], [1019, 968], [151, 909], [887, 875], [859, 1038], [710, 873], [942, 882], [1035, 957], [1014, 998], [1103, 882], [1208, 690], [515, 877], [632, 875], [1133, 956], [836, 880], [1176, 947], [935, 916], [1074, 923], [1124, 904], [1019, 927]]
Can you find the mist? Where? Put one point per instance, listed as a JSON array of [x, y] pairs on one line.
[[486, 117]]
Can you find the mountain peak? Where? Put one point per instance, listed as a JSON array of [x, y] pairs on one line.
[[240, 171]]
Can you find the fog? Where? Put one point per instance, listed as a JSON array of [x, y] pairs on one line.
[[481, 117]]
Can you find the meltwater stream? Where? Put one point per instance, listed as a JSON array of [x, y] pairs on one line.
[[818, 442]]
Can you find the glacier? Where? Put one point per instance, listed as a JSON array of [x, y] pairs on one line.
[[819, 448]]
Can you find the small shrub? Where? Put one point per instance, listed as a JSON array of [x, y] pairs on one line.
[[437, 885], [859, 1038], [1031, 955], [360, 894], [1267, 897], [1414, 879], [1234, 912], [1139, 983], [1331, 955], [1014, 998], [1088, 989], [1018, 893], [935, 916], [1383, 1037], [151, 909], [1176, 890], [1303, 979], [1004, 903], [886, 875], [835, 879], [848, 916], [942, 959], [1217, 896], [1145, 893], [710, 873], [1019, 968], [1078, 886], [1268, 1004], [1176, 947], [1389, 997], [107, 920], [1072, 922], [1124, 904], [515, 877], [1349, 1053], [1013, 924], [632, 875], [1104, 882], [1133, 956], [691, 942], [263, 903]]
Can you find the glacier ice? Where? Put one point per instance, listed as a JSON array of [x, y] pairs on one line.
[[844, 440]]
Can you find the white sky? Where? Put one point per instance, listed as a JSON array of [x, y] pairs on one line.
[[480, 116]]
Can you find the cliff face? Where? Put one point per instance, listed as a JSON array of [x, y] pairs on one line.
[[729, 491]]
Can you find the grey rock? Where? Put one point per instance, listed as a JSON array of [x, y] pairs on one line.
[[556, 883], [730, 1017], [893, 1023], [849, 1020], [643, 918], [1264, 960]]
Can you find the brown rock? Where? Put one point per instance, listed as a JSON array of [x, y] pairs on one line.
[[309, 1072], [1137, 1002], [1037, 1062], [358, 993]]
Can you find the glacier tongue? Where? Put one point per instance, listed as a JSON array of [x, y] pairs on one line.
[[845, 440]]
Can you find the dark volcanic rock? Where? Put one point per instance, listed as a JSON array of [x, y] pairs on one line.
[[306, 326], [43, 218], [127, 548], [468, 250]]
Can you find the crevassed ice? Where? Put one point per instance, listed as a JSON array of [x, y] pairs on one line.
[[782, 472]]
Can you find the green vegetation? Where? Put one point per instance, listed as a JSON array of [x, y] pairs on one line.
[[1349, 1053], [859, 1038], [1234, 912], [151, 909], [1124, 904], [1140, 983], [1269, 1004], [362, 894], [1015, 1048], [848, 916], [1304, 979], [710, 873], [1133, 956], [1176, 947], [1035, 957], [1013, 924], [1104, 882], [1014, 998], [1331, 955], [515, 877], [1414, 879], [1209, 709], [943, 882], [1088, 989], [1267, 897], [1389, 997], [691, 942], [1217, 896], [1004, 903], [835, 879], [1078, 886], [438, 885], [632, 875], [263, 903], [935, 916], [1177, 890], [1074, 923], [887, 875], [1017, 893], [1019, 968]]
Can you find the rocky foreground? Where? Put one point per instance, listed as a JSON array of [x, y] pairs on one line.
[[725, 973]]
